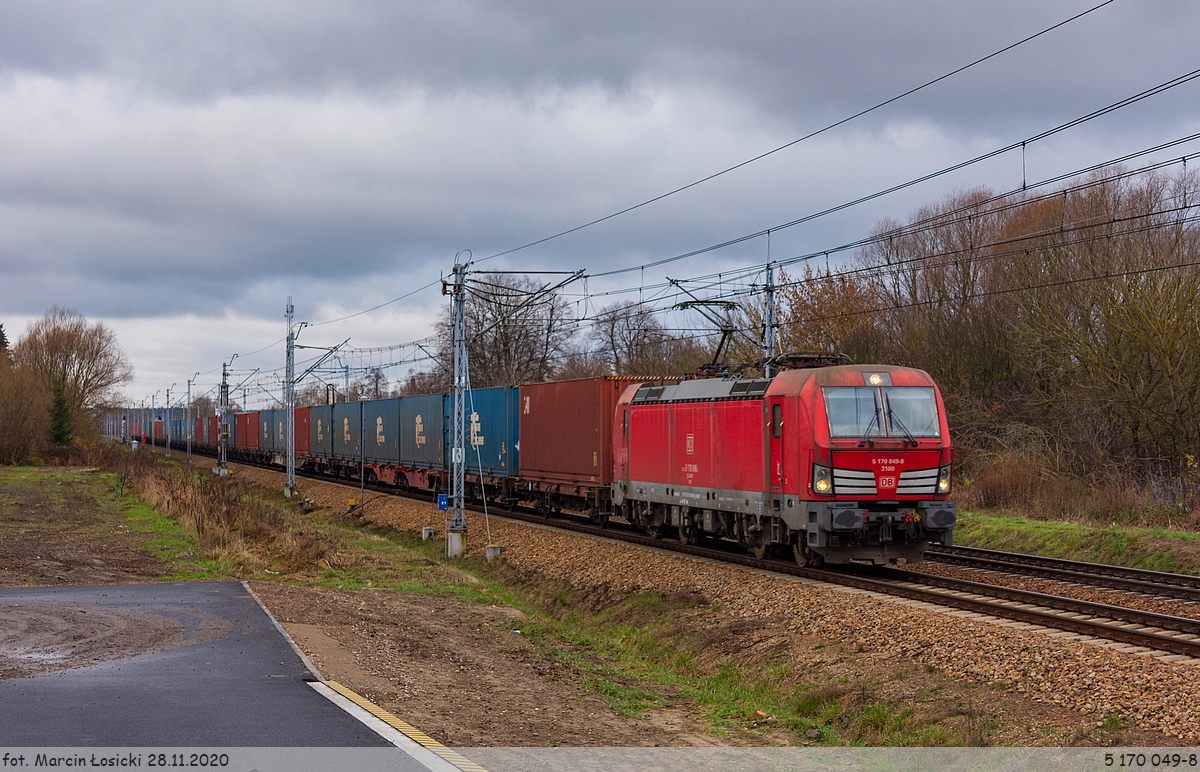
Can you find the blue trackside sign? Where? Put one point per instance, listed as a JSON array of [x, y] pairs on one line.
[[443, 501]]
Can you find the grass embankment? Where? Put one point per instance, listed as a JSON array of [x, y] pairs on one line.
[[635, 651], [1156, 548]]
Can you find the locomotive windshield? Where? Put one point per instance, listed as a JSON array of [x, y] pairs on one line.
[[888, 411]]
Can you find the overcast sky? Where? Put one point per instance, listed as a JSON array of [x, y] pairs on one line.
[[176, 170]]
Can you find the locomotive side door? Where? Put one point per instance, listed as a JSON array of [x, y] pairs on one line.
[[775, 431], [622, 471]]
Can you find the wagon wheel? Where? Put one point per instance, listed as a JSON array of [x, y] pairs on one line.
[[512, 504], [688, 535]]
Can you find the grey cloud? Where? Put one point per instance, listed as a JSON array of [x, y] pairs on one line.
[[802, 61]]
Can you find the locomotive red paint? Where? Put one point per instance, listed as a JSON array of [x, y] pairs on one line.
[[835, 463]]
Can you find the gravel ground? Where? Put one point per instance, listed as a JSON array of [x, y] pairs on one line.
[[1147, 692], [1158, 605]]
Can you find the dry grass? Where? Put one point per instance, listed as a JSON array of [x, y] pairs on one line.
[[231, 521], [1038, 488]]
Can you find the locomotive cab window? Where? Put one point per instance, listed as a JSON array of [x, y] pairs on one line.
[[895, 411], [776, 421], [853, 411], [913, 408]]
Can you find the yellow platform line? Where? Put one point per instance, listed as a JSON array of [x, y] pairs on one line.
[[410, 731]]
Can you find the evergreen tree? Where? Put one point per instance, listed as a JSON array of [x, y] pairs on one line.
[[60, 415], [4, 352]]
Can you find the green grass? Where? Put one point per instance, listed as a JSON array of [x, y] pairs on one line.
[[98, 510], [1156, 549]]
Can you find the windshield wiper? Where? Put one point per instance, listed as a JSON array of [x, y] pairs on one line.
[[896, 420], [864, 440]]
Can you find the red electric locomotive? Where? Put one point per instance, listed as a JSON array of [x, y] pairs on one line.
[[834, 463]]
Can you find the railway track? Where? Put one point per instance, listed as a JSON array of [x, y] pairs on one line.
[[1177, 635], [1179, 586]]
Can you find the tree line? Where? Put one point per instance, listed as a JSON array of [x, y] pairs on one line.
[[55, 380], [1063, 329]]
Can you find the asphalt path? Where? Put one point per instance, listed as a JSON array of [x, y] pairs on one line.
[[246, 687]]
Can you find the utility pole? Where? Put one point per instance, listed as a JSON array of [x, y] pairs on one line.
[[289, 403], [167, 421], [191, 425], [770, 331], [456, 538], [222, 467], [153, 416]]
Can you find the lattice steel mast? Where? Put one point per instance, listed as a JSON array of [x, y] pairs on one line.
[[456, 539], [289, 402]]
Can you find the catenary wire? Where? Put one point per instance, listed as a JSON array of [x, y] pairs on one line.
[[808, 136]]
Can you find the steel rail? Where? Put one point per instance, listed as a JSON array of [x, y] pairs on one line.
[[1051, 611], [1160, 583]]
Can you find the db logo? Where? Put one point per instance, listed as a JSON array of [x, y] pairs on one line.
[[887, 482]]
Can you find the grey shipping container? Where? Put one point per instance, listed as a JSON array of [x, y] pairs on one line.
[[347, 427], [421, 440], [320, 431], [381, 422]]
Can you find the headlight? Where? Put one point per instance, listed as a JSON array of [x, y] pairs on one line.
[[944, 480], [822, 480]]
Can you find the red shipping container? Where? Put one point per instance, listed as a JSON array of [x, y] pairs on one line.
[[566, 430], [302, 438], [158, 432], [247, 431]]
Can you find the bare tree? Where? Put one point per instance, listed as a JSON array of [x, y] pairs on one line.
[[516, 329], [203, 406], [24, 413], [630, 338], [311, 394], [374, 385], [434, 382], [64, 348]]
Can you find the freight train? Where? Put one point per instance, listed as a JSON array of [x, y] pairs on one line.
[[829, 464]]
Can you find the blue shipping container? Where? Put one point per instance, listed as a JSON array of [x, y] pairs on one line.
[[492, 425], [266, 430], [421, 440], [347, 426], [230, 425], [381, 422], [320, 431], [279, 430]]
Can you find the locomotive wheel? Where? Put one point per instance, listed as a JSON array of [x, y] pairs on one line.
[[761, 550], [688, 535], [654, 531], [805, 557]]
